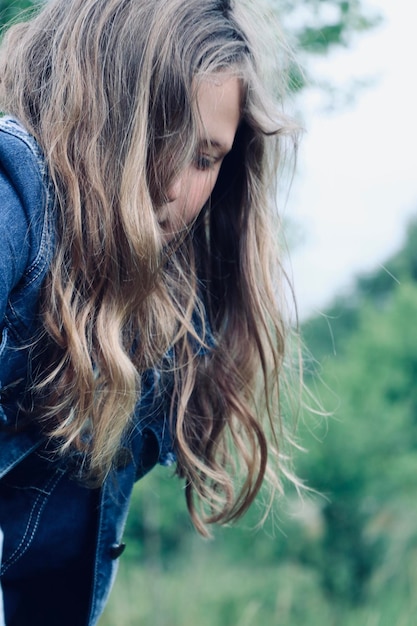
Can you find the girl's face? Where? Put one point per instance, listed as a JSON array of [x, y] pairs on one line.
[[218, 101]]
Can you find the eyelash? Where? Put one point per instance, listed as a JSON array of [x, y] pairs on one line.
[[203, 162]]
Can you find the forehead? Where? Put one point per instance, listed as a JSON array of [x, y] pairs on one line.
[[219, 98]]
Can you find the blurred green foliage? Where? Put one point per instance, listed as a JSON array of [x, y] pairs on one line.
[[367, 460], [347, 553], [322, 24], [316, 27], [12, 9]]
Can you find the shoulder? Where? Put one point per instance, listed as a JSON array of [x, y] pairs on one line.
[[23, 201], [16, 143]]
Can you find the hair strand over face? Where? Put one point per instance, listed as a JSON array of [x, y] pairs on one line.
[[107, 87]]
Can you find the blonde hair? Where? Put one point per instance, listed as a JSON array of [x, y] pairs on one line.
[[106, 87]]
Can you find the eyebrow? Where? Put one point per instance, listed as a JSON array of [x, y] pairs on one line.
[[213, 143]]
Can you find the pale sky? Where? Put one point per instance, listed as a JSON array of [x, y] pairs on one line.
[[356, 186]]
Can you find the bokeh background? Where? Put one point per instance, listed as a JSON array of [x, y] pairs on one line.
[[345, 554]]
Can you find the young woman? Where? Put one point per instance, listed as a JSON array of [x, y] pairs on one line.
[[140, 309]]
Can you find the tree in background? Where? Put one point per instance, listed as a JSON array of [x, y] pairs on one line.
[[317, 27], [12, 9], [365, 462], [355, 551]]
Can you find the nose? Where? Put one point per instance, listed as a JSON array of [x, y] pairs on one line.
[[174, 190]]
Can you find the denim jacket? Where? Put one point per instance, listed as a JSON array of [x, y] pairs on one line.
[[27, 246]]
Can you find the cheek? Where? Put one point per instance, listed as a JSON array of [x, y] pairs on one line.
[[201, 190]]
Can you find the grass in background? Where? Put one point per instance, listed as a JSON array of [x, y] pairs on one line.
[[206, 591]]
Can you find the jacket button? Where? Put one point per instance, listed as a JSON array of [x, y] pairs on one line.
[[116, 550]]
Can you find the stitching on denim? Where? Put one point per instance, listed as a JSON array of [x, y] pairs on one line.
[[26, 540], [10, 324], [17, 130], [5, 469], [94, 586], [41, 259], [4, 337]]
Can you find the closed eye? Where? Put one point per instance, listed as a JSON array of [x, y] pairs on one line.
[[206, 162]]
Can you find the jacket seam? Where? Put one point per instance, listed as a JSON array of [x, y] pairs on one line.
[[35, 269]]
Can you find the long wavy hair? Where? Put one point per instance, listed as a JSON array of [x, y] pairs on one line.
[[108, 88]]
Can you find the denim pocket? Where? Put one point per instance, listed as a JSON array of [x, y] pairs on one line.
[[24, 493]]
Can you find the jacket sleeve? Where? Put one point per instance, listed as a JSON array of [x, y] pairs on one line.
[[14, 241]]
